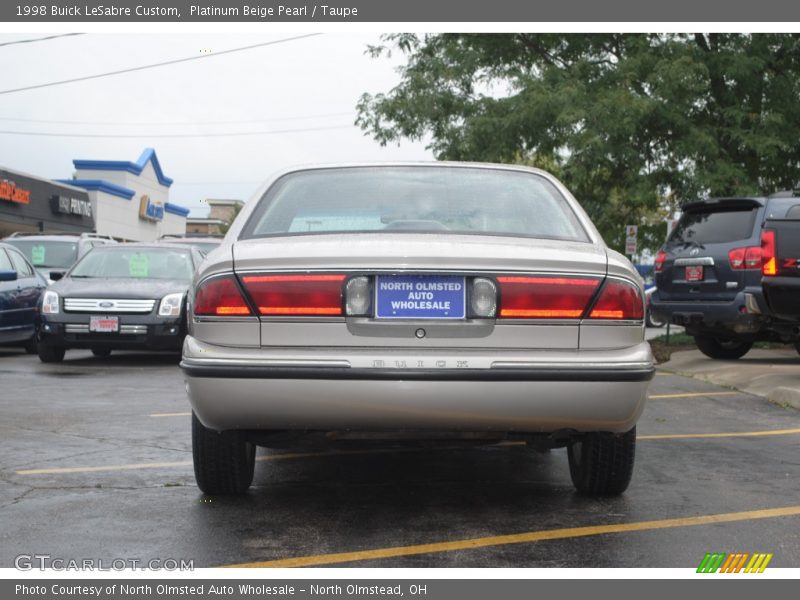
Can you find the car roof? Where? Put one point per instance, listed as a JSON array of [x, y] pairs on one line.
[[154, 245]]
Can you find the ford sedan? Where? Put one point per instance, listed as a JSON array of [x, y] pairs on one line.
[[408, 303]]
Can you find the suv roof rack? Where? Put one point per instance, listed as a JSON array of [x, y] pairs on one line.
[[17, 234], [191, 235]]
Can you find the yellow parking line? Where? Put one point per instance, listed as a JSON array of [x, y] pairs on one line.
[[287, 456], [519, 538], [683, 436], [180, 414], [692, 395]]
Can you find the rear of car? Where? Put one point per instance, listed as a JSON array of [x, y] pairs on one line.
[[781, 261], [708, 275], [436, 302], [53, 254], [121, 297]]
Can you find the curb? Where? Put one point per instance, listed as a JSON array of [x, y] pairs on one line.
[[785, 396]]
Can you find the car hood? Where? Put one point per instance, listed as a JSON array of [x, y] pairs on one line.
[[118, 288], [418, 251]]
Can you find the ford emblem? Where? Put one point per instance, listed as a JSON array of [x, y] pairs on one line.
[[105, 304]]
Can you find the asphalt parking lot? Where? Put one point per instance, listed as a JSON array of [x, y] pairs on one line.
[[96, 463]]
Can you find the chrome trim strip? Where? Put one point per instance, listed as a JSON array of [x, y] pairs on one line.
[[707, 261], [118, 305], [577, 367]]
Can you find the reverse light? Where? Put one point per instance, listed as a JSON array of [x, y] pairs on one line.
[[220, 296], [50, 303], [170, 305], [769, 265], [358, 296], [618, 300], [545, 297], [661, 258], [296, 295], [483, 299], [745, 258]]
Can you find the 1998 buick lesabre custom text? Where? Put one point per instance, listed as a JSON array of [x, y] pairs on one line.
[[424, 301]]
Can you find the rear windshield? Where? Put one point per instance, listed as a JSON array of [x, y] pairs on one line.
[[714, 226], [420, 199], [48, 254], [135, 263]]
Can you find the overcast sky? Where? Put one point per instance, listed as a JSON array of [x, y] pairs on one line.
[[312, 83]]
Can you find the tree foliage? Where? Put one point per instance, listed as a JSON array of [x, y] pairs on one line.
[[634, 124]]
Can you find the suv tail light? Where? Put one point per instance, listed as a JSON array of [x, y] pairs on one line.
[[220, 296], [745, 258], [545, 297], [661, 258], [768, 259], [296, 295], [618, 301]]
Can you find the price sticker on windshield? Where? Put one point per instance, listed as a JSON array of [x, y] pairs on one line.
[[139, 265], [37, 255]]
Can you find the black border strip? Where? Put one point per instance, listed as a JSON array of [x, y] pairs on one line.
[[347, 373]]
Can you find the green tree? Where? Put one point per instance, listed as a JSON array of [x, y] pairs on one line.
[[634, 124]]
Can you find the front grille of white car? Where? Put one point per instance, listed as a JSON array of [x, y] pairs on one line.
[[123, 329], [108, 305]]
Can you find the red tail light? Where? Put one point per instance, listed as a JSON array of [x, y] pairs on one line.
[[745, 258], [296, 295], [220, 296], [618, 300], [768, 259], [661, 258], [545, 297]]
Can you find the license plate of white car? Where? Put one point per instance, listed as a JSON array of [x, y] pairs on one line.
[[104, 324], [419, 297]]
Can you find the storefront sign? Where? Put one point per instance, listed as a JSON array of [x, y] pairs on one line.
[[9, 191], [150, 210], [72, 206]]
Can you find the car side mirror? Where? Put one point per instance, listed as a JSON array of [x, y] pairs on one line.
[[56, 275], [8, 275]]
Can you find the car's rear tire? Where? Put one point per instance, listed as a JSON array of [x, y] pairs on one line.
[[223, 462], [50, 353], [101, 352], [651, 321], [722, 348], [601, 464]]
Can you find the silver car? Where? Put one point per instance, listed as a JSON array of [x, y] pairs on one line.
[[444, 302]]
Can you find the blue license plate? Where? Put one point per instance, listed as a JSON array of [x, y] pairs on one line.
[[419, 297]]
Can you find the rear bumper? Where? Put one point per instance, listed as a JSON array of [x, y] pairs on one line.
[[513, 392], [782, 295], [704, 316]]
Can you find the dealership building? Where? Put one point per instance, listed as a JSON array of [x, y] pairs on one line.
[[122, 199]]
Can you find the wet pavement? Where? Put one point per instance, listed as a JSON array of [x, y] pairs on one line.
[[96, 463]]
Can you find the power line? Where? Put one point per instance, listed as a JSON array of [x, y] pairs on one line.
[[155, 65], [174, 135], [138, 123], [41, 39]]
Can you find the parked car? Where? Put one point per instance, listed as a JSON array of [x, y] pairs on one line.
[[780, 247], [20, 289], [204, 243], [55, 253], [123, 297], [397, 303], [650, 319], [708, 276]]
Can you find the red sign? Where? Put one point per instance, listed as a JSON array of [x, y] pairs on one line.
[[9, 191]]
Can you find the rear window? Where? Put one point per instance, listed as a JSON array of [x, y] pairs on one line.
[[421, 199], [715, 226]]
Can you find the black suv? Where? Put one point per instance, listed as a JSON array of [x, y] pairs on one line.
[[708, 275]]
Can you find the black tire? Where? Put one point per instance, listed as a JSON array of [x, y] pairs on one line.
[[32, 345], [722, 348], [223, 462], [50, 353], [601, 464], [101, 352], [651, 321]]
